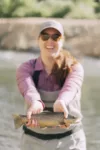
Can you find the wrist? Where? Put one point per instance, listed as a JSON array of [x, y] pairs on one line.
[[42, 103], [34, 101]]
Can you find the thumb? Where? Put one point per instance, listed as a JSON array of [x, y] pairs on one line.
[[29, 113], [65, 113], [65, 110]]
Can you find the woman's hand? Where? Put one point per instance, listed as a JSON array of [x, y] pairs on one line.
[[35, 108], [59, 106]]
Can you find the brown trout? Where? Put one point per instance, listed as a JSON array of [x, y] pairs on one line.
[[45, 119]]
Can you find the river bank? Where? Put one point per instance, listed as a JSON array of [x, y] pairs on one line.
[[91, 65], [81, 36]]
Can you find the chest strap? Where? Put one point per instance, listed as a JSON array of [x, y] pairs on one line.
[[35, 77], [36, 74]]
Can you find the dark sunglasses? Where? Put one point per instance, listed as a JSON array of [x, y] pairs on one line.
[[46, 36]]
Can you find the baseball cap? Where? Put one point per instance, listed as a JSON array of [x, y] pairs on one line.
[[52, 24]]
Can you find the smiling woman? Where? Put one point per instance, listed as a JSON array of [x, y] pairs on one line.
[[50, 43], [52, 82]]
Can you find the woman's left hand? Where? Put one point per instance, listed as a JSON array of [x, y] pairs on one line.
[[59, 106]]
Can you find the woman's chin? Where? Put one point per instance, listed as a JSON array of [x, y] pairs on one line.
[[52, 54]]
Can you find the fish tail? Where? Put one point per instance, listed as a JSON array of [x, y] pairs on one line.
[[18, 121]]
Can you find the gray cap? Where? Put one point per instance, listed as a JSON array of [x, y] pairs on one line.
[[52, 24]]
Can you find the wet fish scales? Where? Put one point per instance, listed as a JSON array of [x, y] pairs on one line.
[[45, 119]]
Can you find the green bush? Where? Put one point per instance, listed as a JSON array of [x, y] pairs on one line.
[[97, 8], [61, 10], [8, 7], [50, 8], [61, 13], [82, 10]]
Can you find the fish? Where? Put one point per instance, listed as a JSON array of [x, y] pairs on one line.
[[45, 119]]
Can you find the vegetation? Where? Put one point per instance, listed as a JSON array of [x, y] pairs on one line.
[[50, 8]]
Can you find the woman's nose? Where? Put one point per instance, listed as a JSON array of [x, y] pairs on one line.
[[50, 41]]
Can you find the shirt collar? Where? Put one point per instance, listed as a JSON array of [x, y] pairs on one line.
[[39, 64]]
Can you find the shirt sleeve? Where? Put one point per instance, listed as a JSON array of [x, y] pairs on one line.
[[72, 84], [25, 82]]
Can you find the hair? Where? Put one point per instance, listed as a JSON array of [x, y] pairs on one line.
[[63, 66]]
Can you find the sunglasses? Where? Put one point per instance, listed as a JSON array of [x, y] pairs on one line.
[[46, 36]]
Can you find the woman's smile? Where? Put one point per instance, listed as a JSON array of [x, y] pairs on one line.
[[50, 48]]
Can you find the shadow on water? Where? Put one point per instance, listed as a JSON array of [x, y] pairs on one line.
[[12, 102]]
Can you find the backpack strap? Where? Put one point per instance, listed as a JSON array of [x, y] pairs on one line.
[[35, 75]]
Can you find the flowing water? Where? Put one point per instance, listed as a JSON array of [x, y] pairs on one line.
[[12, 102]]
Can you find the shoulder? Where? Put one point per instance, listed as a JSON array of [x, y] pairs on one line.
[[78, 67], [77, 70], [28, 65]]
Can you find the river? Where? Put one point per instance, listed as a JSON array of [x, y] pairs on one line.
[[12, 102]]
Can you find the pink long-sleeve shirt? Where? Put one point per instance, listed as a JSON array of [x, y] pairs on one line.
[[68, 92]]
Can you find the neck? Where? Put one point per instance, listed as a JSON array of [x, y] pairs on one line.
[[48, 63]]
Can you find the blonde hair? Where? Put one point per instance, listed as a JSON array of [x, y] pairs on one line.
[[63, 66]]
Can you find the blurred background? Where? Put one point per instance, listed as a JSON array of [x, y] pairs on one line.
[[19, 24]]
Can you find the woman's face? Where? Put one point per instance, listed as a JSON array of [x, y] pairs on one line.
[[50, 46]]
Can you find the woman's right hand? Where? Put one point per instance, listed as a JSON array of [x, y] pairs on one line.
[[35, 108]]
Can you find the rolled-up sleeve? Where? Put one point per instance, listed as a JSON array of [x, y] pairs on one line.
[[25, 83], [72, 84]]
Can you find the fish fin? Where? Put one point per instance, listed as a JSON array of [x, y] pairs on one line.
[[68, 122], [63, 126], [17, 121]]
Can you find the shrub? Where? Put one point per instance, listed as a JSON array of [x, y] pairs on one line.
[[81, 10], [50, 8]]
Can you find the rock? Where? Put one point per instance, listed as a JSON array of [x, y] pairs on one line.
[[82, 37]]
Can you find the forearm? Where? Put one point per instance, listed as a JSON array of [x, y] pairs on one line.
[[26, 84], [72, 84]]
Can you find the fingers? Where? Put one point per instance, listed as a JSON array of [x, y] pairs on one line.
[[59, 106], [34, 109], [32, 123], [39, 111], [65, 110], [56, 107], [28, 123], [29, 113]]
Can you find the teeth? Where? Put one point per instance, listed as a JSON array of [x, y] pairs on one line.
[[49, 47]]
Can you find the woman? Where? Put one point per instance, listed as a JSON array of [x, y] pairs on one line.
[[53, 80]]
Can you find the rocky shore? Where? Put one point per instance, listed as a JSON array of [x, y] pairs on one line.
[[82, 37]]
